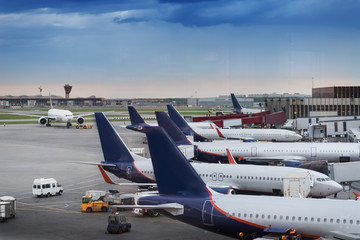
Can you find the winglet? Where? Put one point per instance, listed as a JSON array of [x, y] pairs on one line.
[[219, 133], [105, 176], [230, 157], [357, 196]]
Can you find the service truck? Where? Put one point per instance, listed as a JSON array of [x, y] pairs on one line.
[[298, 185], [4, 211], [12, 202]]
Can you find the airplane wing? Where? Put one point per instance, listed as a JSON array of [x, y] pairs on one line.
[[173, 208], [83, 115], [29, 115]]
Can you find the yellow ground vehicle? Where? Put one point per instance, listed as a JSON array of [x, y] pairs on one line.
[[88, 205], [77, 126]]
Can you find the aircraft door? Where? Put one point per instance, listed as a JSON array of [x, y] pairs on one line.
[[207, 213], [253, 151], [128, 171], [313, 152]]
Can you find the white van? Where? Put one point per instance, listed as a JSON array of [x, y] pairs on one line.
[[46, 187]]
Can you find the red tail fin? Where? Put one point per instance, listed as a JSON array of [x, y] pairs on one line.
[[357, 196], [230, 157], [219, 133]]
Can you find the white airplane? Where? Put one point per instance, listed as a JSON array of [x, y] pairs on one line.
[[58, 115], [241, 110], [184, 196], [224, 178], [248, 134], [137, 122]]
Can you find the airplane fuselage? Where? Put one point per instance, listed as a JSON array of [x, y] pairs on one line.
[[278, 135], [60, 115], [332, 152], [242, 178], [232, 214]]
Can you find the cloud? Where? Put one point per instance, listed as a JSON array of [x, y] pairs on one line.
[[45, 17]]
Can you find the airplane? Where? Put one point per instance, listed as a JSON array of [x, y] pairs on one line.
[[184, 196], [224, 178], [137, 122], [248, 134], [290, 154], [58, 115], [241, 110]]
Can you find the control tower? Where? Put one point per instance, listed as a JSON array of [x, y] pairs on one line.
[[67, 88]]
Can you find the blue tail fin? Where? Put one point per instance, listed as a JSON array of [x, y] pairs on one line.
[[137, 122], [135, 117], [179, 120], [176, 176], [236, 104], [114, 149], [171, 129]]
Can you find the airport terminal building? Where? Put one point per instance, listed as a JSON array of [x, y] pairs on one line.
[[325, 101]]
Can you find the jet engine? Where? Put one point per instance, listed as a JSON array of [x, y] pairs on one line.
[[224, 190], [42, 121], [80, 120]]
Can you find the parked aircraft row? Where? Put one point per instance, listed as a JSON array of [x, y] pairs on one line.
[[183, 195], [221, 177], [259, 152], [206, 134]]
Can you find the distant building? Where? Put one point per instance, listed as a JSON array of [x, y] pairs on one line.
[[327, 101], [39, 101]]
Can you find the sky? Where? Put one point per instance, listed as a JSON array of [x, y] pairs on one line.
[[165, 48]]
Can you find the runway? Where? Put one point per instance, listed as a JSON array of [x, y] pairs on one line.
[[31, 151]]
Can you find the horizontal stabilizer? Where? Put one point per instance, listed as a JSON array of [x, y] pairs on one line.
[[173, 208], [91, 163]]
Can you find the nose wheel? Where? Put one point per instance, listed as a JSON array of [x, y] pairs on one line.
[[68, 125]]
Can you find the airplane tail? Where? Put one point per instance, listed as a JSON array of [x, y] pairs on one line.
[[135, 117], [168, 177], [171, 129], [51, 105], [179, 120], [114, 149], [137, 122], [236, 104]]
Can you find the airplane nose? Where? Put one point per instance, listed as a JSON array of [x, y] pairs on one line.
[[335, 188], [298, 137]]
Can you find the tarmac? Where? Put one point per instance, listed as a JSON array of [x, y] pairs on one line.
[[30, 151]]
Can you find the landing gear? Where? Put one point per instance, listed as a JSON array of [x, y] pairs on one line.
[[68, 125], [48, 123]]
